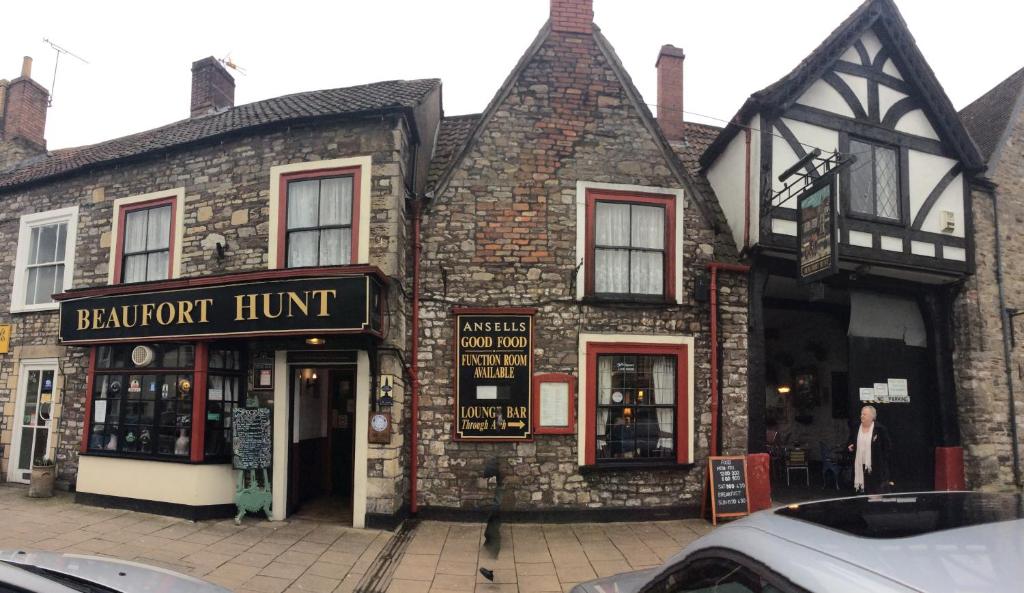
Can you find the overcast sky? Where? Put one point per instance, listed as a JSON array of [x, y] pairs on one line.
[[140, 53]]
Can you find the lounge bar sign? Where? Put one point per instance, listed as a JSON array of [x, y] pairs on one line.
[[819, 255], [494, 371], [337, 304]]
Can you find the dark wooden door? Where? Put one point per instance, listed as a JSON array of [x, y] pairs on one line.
[[911, 425], [341, 416]]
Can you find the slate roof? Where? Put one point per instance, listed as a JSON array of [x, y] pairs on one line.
[[989, 116], [781, 94], [356, 100], [451, 137]]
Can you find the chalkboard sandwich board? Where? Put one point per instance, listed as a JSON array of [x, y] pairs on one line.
[[251, 436], [728, 480]]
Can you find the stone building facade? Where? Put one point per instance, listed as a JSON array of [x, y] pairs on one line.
[[221, 169], [504, 229], [989, 355]]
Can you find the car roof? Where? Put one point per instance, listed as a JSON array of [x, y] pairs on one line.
[[981, 555]]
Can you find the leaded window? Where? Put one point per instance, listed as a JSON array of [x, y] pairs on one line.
[[875, 181]]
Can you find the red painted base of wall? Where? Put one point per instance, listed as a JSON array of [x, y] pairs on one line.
[[759, 481], [949, 468]]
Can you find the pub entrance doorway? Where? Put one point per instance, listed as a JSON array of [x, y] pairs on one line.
[[322, 442]]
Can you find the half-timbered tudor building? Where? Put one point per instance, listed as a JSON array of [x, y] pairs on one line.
[[991, 359], [879, 326], [247, 256]]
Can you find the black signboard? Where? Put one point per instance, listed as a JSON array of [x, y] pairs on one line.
[[250, 435], [728, 478], [335, 304], [494, 367], [817, 238]]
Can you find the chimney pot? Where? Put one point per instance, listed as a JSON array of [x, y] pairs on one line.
[[26, 67], [670, 91], [572, 16], [213, 88]]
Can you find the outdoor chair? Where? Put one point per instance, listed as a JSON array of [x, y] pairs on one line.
[[796, 459]]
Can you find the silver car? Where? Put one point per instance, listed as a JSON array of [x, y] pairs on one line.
[[963, 542], [50, 572]]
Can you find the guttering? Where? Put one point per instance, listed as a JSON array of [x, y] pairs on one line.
[[714, 267], [746, 195], [1004, 316], [414, 456]]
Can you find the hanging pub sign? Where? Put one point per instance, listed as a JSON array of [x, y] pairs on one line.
[[494, 367], [224, 306], [818, 255]]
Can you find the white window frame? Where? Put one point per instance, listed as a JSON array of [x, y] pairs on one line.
[[677, 195], [67, 215]]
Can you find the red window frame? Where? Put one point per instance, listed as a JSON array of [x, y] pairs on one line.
[[668, 202], [282, 208], [122, 218], [680, 351], [539, 428]]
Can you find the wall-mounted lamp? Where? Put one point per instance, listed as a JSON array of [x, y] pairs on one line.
[[309, 377], [316, 341], [783, 389], [221, 248]]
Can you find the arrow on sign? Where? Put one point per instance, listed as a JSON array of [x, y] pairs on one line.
[[517, 424]]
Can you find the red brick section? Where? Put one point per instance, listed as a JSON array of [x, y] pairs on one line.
[[572, 16], [670, 91], [213, 89], [25, 117]]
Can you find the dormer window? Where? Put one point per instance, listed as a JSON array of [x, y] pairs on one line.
[[875, 181]]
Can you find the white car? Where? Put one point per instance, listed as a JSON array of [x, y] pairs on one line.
[[50, 572], [936, 542]]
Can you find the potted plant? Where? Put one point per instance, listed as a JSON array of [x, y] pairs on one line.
[[43, 472]]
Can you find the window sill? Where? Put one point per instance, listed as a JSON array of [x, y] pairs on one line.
[[35, 308], [599, 301], [875, 219], [614, 466], [134, 457]]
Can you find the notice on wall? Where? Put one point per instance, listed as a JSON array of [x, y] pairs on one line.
[[493, 376], [867, 394], [554, 404], [899, 392], [99, 411], [882, 393]]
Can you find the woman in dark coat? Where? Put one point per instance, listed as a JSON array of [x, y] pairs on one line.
[[870, 444]]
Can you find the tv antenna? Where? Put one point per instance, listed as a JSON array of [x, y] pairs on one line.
[[226, 60], [60, 50]]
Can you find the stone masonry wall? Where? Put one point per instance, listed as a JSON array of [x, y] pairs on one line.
[[503, 233], [984, 392], [226, 194]]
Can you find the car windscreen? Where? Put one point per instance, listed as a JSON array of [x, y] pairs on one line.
[[906, 515], [68, 581]]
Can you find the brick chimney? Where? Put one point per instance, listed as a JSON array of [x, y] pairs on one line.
[[213, 89], [23, 107], [572, 16], [670, 91]]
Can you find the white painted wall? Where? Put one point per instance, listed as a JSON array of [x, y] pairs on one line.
[[925, 171], [178, 483], [916, 123], [871, 43], [822, 96], [726, 176], [887, 97], [859, 86], [889, 67]]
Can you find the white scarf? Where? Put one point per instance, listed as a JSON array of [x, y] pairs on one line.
[[863, 458]]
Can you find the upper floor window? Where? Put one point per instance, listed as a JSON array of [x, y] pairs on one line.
[[45, 258], [875, 181], [147, 231], [146, 243], [630, 246], [318, 230], [320, 213]]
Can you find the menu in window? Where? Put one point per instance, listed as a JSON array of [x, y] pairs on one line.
[[554, 404]]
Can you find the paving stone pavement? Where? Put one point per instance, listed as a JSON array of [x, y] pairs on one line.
[[300, 555], [258, 556]]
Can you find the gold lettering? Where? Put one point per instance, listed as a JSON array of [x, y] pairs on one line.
[[124, 315], [203, 304], [323, 294], [267, 298], [97, 318], [241, 308], [83, 319], [147, 314], [185, 312], [165, 313], [112, 321], [302, 304]]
